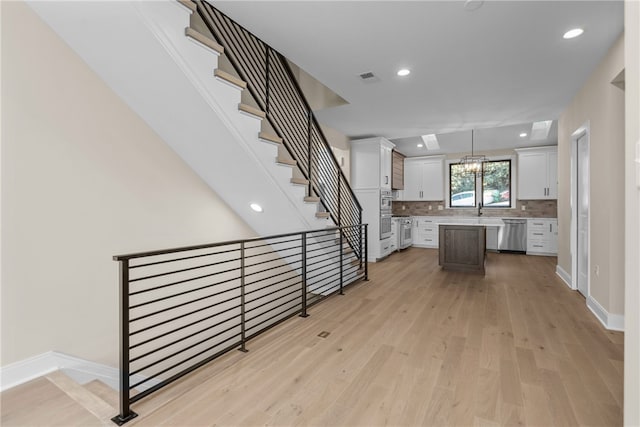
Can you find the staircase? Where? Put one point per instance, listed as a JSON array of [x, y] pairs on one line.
[[161, 60], [56, 399]]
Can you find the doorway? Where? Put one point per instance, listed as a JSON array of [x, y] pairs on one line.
[[580, 211]]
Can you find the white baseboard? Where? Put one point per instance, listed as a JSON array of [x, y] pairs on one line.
[[80, 370], [614, 322], [566, 277]]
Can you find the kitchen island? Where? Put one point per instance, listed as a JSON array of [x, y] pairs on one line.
[[462, 247]]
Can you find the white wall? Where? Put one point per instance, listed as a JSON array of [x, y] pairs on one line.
[[632, 220], [602, 105], [83, 179]]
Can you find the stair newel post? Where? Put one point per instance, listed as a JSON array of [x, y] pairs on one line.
[[126, 413], [243, 327], [309, 152], [366, 247], [339, 203], [266, 77], [303, 312], [360, 236], [341, 262]]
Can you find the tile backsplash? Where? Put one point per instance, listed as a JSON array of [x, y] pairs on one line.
[[533, 209]]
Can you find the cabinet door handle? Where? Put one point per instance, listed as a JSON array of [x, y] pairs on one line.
[[386, 179], [550, 225]]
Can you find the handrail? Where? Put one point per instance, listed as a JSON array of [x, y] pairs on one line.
[[183, 307], [273, 86], [213, 245]]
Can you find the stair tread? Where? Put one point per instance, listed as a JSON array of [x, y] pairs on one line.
[[322, 215], [252, 110], [312, 199], [204, 40], [104, 392], [270, 137], [230, 78], [188, 4], [300, 181], [287, 162], [84, 397]]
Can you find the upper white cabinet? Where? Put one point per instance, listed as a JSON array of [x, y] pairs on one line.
[[423, 178], [371, 161], [537, 173]]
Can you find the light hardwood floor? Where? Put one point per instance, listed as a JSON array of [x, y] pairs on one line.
[[418, 346]]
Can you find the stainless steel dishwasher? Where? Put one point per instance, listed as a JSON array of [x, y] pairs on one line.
[[513, 236]]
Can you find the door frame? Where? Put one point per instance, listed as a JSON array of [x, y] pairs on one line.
[[584, 130]]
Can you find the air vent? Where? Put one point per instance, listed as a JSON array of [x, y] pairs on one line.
[[369, 77]]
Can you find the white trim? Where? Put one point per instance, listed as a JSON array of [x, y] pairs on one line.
[[566, 278], [614, 322], [584, 130], [81, 370]]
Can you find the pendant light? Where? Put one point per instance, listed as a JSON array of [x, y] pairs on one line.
[[473, 163]]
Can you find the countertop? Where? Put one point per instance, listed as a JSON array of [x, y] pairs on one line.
[[488, 222]]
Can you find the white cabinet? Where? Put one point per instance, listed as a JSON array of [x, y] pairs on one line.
[[371, 163], [424, 178], [542, 236], [395, 235], [425, 231], [386, 165], [537, 173], [385, 247]]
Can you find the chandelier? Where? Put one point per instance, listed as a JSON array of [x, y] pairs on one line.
[[471, 163]]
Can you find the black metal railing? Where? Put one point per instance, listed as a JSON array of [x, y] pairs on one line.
[[274, 88], [181, 308]]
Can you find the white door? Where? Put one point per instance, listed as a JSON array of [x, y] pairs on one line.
[[582, 178]]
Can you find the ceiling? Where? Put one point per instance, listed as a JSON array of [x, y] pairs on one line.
[[496, 69]]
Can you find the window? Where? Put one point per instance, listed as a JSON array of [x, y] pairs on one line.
[[462, 187], [495, 184]]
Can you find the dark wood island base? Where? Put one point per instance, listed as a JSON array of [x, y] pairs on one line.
[[462, 247]]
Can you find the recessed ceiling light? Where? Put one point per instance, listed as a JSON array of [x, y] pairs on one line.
[[256, 207], [420, 145], [404, 72], [573, 33], [523, 134]]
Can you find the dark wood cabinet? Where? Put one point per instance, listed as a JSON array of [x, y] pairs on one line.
[[397, 175], [462, 247]]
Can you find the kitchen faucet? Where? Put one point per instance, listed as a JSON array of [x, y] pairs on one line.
[[480, 209]]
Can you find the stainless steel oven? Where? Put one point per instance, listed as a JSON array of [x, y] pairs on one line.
[[406, 238], [385, 201], [385, 225]]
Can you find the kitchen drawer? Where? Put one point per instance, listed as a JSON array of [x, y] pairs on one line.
[[385, 247], [426, 241], [541, 246], [428, 229], [536, 234]]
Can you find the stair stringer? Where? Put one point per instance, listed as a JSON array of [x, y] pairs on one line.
[[140, 50]]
